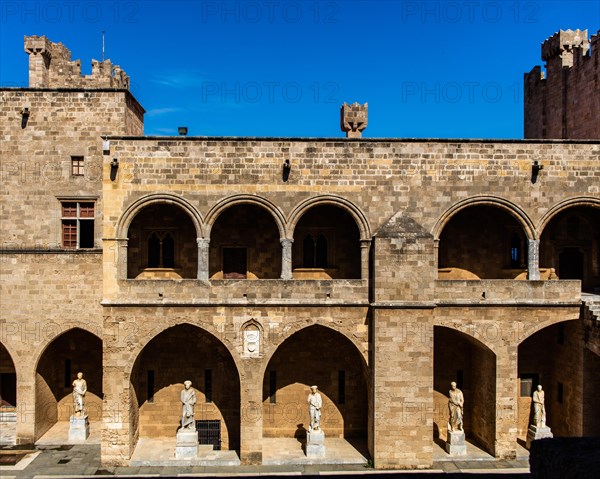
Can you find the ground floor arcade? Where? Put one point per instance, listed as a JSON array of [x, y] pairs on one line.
[[384, 375]]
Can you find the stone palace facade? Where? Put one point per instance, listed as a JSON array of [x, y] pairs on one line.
[[379, 269]]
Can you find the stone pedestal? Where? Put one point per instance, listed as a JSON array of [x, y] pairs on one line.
[[187, 444], [455, 444], [535, 432], [315, 444], [79, 428]]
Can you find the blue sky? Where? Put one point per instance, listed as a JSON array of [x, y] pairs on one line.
[[449, 69]]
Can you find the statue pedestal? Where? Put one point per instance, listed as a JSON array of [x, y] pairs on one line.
[[455, 443], [79, 429], [187, 444], [315, 444], [535, 432]]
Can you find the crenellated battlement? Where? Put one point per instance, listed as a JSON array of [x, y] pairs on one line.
[[50, 66], [563, 102]]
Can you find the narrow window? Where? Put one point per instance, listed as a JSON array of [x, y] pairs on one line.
[[208, 384], [77, 224], [68, 381], [321, 254], [529, 382], [515, 251], [341, 387], [460, 376], [235, 263], [150, 386], [273, 387], [559, 392], [153, 251], [308, 252], [77, 166], [168, 249]]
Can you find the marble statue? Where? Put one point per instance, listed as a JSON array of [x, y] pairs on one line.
[[456, 402], [188, 399], [315, 403], [79, 390], [539, 410]]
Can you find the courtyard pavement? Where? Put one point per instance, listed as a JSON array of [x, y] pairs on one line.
[[81, 461]]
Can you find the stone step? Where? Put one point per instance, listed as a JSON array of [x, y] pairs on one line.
[[8, 416]]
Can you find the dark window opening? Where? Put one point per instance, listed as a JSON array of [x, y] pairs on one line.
[[273, 387], [68, 373], [309, 252], [529, 382], [460, 377], [168, 248], [559, 392], [315, 253], [208, 385], [150, 386], [235, 264], [86, 234], [321, 254], [515, 251], [341, 387], [153, 251]]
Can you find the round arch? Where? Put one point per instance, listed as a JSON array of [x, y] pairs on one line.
[[563, 205], [333, 200], [484, 200], [159, 198], [256, 200]]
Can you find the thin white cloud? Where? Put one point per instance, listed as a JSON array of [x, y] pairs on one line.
[[162, 111]]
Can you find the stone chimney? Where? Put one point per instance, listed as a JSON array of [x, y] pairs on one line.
[[353, 119]]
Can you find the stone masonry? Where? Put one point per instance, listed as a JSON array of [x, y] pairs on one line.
[[362, 269]]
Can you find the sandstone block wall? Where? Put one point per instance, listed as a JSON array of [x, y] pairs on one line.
[[565, 102]]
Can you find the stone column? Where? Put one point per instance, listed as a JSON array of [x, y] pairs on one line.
[[533, 260], [203, 250], [365, 245], [121, 257], [286, 258], [251, 421]]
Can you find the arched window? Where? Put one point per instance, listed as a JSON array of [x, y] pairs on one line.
[[161, 250], [321, 254], [315, 253], [153, 251], [515, 251], [168, 251], [309, 252]]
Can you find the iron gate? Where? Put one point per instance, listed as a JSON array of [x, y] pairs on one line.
[[209, 432]]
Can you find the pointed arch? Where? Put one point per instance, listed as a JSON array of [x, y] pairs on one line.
[[563, 205]]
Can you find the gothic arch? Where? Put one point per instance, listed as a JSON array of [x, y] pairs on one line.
[[563, 205], [334, 200], [256, 200], [158, 198], [537, 327], [147, 337], [39, 352], [301, 326], [475, 331], [485, 200]]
